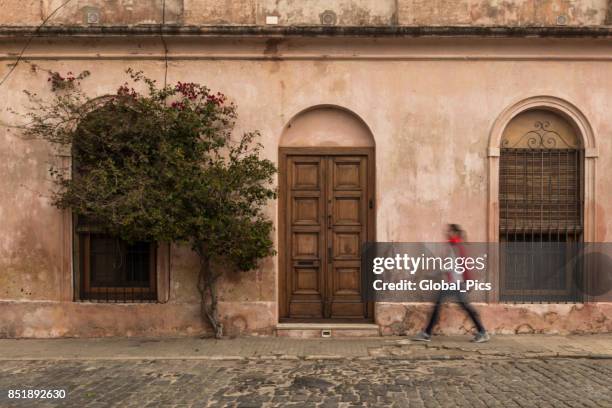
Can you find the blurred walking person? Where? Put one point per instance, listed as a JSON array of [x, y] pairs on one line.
[[455, 238]]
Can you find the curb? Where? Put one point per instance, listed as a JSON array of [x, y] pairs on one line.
[[442, 357]]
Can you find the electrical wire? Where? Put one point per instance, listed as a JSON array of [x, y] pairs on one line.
[[27, 44], [163, 40]]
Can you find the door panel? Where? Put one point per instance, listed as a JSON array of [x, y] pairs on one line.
[[327, 225], [306, 209], [347, 245], [306, 174], [306, 245], [347, 208], [347, 197], [306, 280], [347, 279], [306, 283]]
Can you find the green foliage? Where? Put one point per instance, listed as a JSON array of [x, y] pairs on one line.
[[162, 166]]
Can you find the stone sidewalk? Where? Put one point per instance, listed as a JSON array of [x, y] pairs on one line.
[[479, 383], [597, 346]]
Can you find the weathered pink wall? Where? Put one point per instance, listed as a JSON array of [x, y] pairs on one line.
[[409, 318], [430, 104], [501, 13], [68, 319], [81, 12]]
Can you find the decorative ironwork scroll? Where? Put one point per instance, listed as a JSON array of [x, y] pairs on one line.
[[541, 137]]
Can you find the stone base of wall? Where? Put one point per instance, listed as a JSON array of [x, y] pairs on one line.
[[72, 319], [408, 318]]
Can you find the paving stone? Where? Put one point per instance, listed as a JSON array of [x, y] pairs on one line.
[[329, 383]]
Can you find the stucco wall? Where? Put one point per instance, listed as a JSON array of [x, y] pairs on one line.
[[430, 108], [497, 12], [345, 12], [342, 12], [220, 12], [410, 318], [95, 12], [289, 12]]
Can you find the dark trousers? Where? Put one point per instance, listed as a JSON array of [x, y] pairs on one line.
[[462, 300]]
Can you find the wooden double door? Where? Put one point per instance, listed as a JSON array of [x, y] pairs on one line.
[[327, 207]]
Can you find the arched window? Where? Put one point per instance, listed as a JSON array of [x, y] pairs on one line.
[[108, 269], [540, 207]]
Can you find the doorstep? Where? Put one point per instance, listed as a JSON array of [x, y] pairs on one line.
[[325, 330]]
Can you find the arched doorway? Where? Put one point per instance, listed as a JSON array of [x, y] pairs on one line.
[[326, 214], [541, 207]]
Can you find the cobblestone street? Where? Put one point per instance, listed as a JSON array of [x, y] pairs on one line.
[[489, 382]]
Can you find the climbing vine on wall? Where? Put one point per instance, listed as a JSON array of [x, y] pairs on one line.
[[161, 163]]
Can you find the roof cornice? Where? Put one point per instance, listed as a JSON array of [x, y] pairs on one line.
[[309, 31]]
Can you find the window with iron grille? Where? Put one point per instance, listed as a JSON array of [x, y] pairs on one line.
[[108, 269], [540, 198], [112, 270]]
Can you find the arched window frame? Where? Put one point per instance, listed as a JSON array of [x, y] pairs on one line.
[[587, 137], [70, 267]]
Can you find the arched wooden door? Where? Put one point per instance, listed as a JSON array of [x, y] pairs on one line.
[[326, 215]]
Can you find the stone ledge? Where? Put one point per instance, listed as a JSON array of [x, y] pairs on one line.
[[310, 31]]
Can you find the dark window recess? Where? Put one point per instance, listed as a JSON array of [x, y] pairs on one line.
[[112, 270], [540, 198]]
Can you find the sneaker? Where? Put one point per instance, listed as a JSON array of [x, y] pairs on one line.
[[422, 336], [481, 337]]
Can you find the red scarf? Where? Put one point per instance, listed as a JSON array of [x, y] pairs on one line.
[[457, 243]]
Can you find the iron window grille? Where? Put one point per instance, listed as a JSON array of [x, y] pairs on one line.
[[113, 270], [541, 213]]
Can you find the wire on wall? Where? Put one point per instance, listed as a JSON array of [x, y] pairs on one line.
[[30, 38], [163, 40]]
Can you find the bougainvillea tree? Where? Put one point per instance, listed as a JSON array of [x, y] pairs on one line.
[[162, 165]]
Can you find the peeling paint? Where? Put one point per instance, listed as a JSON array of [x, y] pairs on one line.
[[348, 12], [502, 12], [67, 319], [408, 318]]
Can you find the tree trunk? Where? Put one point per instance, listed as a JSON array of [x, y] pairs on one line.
[[207, 281]]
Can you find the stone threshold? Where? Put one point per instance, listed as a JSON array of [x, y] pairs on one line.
[[323, 326], [327, 330]]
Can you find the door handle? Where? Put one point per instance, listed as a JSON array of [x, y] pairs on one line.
[[330, 254]]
